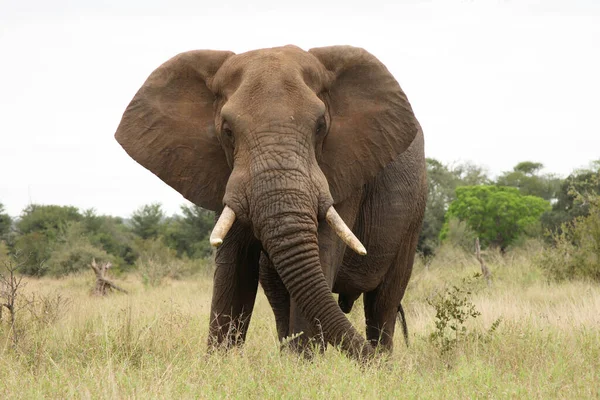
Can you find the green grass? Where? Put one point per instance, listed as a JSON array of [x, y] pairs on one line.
[[152, 344]]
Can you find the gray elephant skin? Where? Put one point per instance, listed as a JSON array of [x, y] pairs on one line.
[[283, 140]]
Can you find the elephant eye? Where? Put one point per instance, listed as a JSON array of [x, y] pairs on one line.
[[226, 130], [321, 125]]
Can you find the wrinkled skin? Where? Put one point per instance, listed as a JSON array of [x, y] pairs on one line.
[[279, 135]]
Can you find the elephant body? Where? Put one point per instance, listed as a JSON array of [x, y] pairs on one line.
[[279, 137]]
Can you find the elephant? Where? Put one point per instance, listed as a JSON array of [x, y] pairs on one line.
[[314, 164]]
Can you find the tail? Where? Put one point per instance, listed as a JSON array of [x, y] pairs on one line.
[[402, 319]]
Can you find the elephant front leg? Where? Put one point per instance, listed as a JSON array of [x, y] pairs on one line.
[[234, 288]]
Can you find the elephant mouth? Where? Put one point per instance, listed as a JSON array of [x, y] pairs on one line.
[[332, 217]]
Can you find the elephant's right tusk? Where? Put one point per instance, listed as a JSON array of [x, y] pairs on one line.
[[222, 226], [342, 230]]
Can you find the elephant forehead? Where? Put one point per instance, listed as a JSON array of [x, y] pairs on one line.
[[280, 69]]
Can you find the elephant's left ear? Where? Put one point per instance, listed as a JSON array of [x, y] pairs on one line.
[[372, 121]]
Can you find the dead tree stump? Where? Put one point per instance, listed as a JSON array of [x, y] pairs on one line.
[[484, 269], [103, 284]]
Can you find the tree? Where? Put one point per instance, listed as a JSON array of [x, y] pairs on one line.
[[112, 235], [567, 207], [525, 176], [147, 221], [188, 234], [442, 183], [47, 219], [498, 215], [470, 174], [39, 228], [575, 250], [5, 223]]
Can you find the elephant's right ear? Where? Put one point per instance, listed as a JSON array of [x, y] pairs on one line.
[[169, 127]]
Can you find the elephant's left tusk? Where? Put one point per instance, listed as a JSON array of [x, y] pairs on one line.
[[342, 230], [222, 226]]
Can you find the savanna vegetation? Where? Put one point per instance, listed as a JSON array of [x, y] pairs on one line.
[[533, 332]]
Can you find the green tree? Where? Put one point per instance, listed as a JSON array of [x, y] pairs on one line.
[[470, 174], [5, 223], [575, 250], [442, 183], [47, 219], [38, 229], [188, 234], [498, 215], [74, 252], [567, 208], [112, 235], [147, 221], [526, 177]]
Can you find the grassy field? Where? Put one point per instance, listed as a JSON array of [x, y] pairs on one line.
[[152, 344]]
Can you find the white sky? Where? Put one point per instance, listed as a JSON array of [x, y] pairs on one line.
[[494, 82]]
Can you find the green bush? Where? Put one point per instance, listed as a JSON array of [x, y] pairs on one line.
[[459, 234], [5, 223], [157, 262], [33, 249], [74, 252], [112, 235], [575, 253], [453, 308]]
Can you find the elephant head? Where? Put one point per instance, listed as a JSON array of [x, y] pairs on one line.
[[273, 138]]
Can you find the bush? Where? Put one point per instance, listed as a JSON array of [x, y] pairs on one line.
[[74, 252], [575, 253], [33, 249], [458, 234], [453, 308], [157, 262]]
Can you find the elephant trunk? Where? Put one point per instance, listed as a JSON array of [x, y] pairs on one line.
[[284, 215]]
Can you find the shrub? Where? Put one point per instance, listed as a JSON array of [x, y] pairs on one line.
[[74, 252], [575, 253], [459, 234], [453, 308]]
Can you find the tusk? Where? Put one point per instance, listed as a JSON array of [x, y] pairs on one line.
[[342, 230], [222, 226]]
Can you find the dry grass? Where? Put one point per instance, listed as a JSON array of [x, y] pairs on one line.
[[151, 344]]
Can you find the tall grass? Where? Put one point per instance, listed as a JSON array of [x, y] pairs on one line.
[[152, 344]]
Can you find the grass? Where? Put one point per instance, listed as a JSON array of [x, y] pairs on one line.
[[152, 344]]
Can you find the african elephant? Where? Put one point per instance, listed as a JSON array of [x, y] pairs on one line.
[[276, 141]]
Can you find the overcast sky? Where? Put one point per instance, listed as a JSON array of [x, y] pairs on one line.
[[493, 82]]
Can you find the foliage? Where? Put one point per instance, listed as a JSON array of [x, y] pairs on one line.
[[525, 176], [39, 227], [147, 221], [567, 207], [74, 252], [453, 308], [4, 253], [34, 249], [575, 253], [158, 262], [442, 183], [5, 223], [188, 234], [460, 235], [112, 235], [50, 220], [498, 215]]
